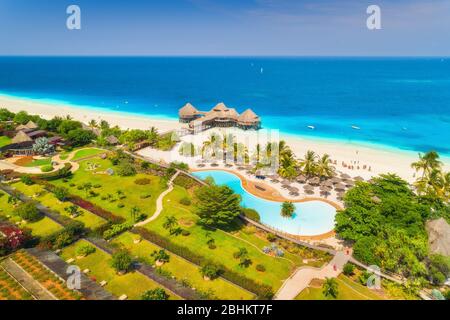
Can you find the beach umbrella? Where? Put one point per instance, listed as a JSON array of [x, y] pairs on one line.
[[294, 194], [345, 176], [301, 179], [325, 193], [339, 186], [275, 180], [358, 178], [241, 168], [285, 186], [325, 188], [327, 183], [201, 165], [314, 181], [308, 187], [286, 181], [349, 183], [293, 189]]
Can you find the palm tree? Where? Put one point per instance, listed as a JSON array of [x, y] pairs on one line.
[[330, 288], [104, 124], [287, 167], [170, 222], [93, 124], [427, 163], [308, 164], [211, 143], [87, 187], [134, 213], [287, 209], [324, 167]]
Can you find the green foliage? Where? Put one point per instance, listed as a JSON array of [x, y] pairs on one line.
[[160, 255], [61, 193], [85, 250], [6, 115], [439, 269], [47, 168], [22, 117], [287, 209], [26, 179], [386, 220], [42, 146], [126, 169], [217, 205], [330, 288], [122, 261], [28, 212], [80, 137], [155, 294], [210, 270], [68, 125], [117, 229], [185, 201], [142, 181], [349, 269], [251, 214]]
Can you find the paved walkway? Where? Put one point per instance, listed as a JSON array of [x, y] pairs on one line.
[[159, 202], [27, 281], [303, 276]]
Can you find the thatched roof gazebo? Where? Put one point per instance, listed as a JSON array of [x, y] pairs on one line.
[[21, 137], [112, 140], [188, 113], [249, 119]]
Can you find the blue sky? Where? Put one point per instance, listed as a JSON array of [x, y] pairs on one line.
[[225, 27]]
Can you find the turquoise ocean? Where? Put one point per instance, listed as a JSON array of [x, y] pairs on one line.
[[400, 103]]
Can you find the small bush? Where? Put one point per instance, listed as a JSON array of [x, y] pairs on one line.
[[271, 237], [97, 185], [26, 179], [142, 181], [145, 196], [252, 214], [348, 269], [120, 205], [47, 168], [85, 250], [185, 201], [117, 229], [185, 233], [260, 268]]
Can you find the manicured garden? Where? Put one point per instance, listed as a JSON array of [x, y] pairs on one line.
[[133, 284], [41, 274], [41, 228], [88, 152], [347, 290], [184, 271], [262, 268], [49, 200], [114, 193]]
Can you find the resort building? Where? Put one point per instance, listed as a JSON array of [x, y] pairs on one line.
[[219, 116]]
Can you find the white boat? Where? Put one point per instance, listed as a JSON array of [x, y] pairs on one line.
[[356, 128], [311, 127]]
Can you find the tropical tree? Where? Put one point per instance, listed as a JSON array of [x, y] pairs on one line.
[[330, 288], [160, 255], [93, 124], [324, 167], [134, 212], [288, 167], [73, 210], [28, 211], [287, 209], [122, 261], [427, 163], [42, 146], [87, 187], [308, 163], [211, 144], [170, 222], [217, 205]]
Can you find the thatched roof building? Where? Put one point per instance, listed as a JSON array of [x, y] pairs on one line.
[[112, 140], [439, 236], [219, 116], [21, 137]]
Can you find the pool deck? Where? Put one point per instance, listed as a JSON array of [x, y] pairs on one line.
[[264, 191]]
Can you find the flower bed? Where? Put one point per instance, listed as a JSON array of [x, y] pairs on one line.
[[48, 280], [10, 289]]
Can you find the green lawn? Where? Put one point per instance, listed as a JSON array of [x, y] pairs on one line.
[[47, 199], [347, 290], [41, 228], [182, 269], [93, 171], [277, 269], [87, 153], [39, 162], [4, 141], [133, 284]]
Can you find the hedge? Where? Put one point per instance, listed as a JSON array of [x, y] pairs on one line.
[[117, 229], [252, 214], [61, 173], [261, 290]]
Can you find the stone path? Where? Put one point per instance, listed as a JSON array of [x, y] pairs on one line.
[[159, 202], [301, 278]]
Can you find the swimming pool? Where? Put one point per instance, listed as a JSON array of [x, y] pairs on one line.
[[310, 218]]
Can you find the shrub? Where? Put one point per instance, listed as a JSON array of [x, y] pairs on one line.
[[142, 181], [121, 261], [117, 229], [26, 179], [145, 196], [85, 250], [348, 269], [185, 201], [125, 168], [185, 233], [58, 174], [47, 168], [271, 237], [160, 255], [61, 193], [120, 205], [260, 268], [28, 211], [155, 294], [97, 185], [252, 214], [210, 270]]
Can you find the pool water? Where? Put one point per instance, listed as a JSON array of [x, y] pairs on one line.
[[310, 218]]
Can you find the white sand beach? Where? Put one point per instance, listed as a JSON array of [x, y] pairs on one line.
[[359, 156]]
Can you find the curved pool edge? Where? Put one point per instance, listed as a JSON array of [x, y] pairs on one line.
[[280, 198]]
